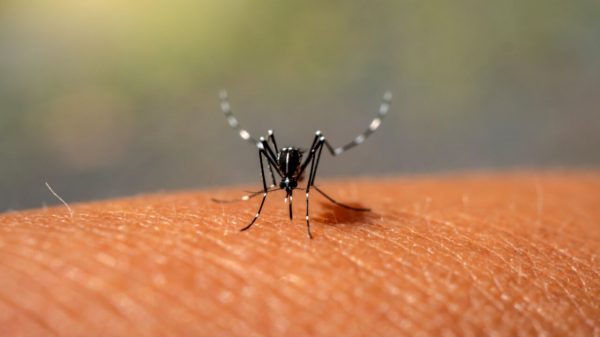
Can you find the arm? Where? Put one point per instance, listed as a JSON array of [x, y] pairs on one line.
[[513, 254]]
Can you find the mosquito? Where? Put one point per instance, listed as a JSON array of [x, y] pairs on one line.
[[288, 164]]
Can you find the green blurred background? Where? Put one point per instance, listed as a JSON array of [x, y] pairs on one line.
[[110, 98]]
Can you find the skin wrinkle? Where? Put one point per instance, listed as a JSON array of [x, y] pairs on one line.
[[391, 255], [498, 256], [565, 290], [274, 280], [552, 247], [341, 307], [139, 281], [553, 230], [171, 297], [413, 281], [344, 307], [223, 267], [354, 278], [350, 259], [34, 316], [464, 264], [239, 269], [44, 293], [441, 300], [50, 273], [100, 268], [217, 259], [451, 254], [23, 303], [362, 266], [537, 274]]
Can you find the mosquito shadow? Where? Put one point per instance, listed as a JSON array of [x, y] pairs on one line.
[[332, 214]]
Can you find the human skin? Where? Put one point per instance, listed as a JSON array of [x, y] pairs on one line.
[[512, 254]]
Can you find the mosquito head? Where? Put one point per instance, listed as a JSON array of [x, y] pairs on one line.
[[289, 184]]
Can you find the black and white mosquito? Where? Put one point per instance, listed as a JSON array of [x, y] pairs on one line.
[[288, 164]]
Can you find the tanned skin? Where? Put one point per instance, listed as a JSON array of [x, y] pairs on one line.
[[473, 255]]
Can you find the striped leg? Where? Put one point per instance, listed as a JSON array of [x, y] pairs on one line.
[[359, 209], [314, 159], [291, 198], [375, 123], [317, 146], [272, 139], [244, 197], [261, 152], [313, 177], [233, 122], [274, 182]]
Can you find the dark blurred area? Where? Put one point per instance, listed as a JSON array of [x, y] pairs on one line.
[[113, 98]]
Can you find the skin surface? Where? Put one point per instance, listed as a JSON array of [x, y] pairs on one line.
[[511, 254]]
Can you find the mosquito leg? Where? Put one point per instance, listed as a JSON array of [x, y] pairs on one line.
[[375, 123], [246, 197], [291, 199], [311, 150], [272, 139], [311, 159], [339, 203], [316, 158], [265, 191], [313, 176], [272, 175], [243, 198], [231, 120], [269, 154]]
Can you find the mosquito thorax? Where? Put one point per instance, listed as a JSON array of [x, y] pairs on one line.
[[289, 160]]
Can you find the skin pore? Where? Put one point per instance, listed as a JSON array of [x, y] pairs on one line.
[[482, 254]]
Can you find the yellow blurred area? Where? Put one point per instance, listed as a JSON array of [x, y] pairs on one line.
[[108, 98]]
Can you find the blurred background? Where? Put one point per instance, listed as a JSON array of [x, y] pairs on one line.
[[112, 98]]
